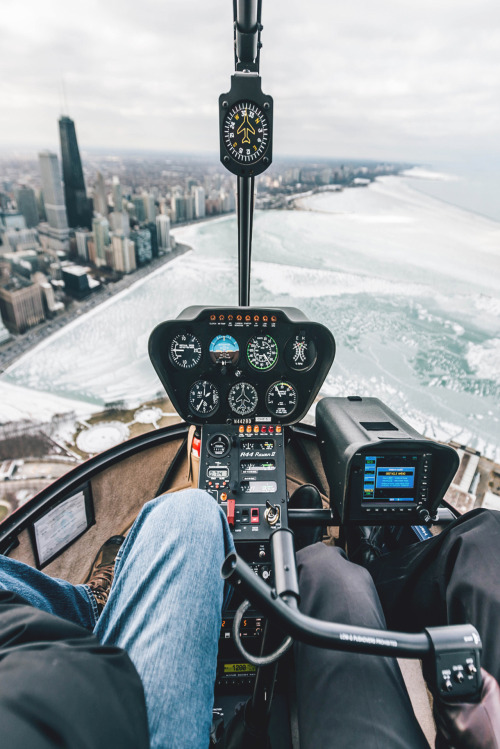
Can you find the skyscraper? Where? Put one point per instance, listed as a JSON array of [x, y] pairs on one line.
[[78, 206], [163, 232], [100, 228], [26, 204], [100, 199], [53, 196], [117, 194]]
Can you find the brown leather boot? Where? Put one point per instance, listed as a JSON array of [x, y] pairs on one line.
[[103, 570]]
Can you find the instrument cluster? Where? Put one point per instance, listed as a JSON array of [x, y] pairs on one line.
[[241, 365]]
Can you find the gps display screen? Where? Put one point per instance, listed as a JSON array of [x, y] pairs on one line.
[[390, 478]]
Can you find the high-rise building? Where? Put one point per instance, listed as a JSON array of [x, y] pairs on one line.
[[53, 195], [149, 206], [140, 212], [117, 194], [21, 304], [163, 232], [100, 199], [82, 237], [26, 204], [120, 223], [123, 254], [78, 206], [199, 201], [18, 240], [151, 226], [142, 242], [100, 229]]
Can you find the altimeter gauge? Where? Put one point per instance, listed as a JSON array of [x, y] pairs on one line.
[[262, 352], [203, 398], [281, 399], [300, 352], [246, 132], [243, 398], [185, 351]]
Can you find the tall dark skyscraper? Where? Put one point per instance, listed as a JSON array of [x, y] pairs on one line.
[[78, 206]]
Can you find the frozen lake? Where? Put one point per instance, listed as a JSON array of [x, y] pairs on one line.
[[408, 284]]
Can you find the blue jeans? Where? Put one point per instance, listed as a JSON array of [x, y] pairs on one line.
[[164, 609]]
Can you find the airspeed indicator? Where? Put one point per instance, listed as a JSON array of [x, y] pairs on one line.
[[262, 352]]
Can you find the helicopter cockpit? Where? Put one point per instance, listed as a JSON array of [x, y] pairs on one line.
[[243, 378]]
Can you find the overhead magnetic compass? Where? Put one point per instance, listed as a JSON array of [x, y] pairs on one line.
[[246, 119], [246, 132]]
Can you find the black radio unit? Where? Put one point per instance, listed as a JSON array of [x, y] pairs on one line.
[[379, 469]]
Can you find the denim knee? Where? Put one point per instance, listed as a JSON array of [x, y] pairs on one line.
[[192, 509]]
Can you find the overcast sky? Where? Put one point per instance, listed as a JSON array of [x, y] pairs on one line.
[[393, 79]]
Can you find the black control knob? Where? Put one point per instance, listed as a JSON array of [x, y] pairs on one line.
[[424, 514]]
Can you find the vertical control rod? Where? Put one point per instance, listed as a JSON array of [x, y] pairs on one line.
[[245, 223]]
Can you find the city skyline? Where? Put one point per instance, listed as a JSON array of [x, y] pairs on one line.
[[408, 84]]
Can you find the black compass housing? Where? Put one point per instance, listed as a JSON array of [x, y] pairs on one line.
[[246, 90]]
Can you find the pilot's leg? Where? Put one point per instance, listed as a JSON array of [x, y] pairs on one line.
[[165, 609], [72, 602], [450, 579], [347, 700]]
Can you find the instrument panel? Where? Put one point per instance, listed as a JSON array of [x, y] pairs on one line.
[[241, 365]]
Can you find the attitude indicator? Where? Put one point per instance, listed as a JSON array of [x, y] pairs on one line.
[[224, 350]]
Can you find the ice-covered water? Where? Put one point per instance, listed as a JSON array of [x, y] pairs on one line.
[[407, 284]]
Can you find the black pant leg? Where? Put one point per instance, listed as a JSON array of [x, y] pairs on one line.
[[59, 687], [453, 578], [345, 699]]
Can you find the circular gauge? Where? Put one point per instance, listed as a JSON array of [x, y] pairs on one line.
[[262, 352], [300, 352], [246, 132], [203, 398], [224, 350], [243, 398], [185, 351], [218, 446], [281, 399]]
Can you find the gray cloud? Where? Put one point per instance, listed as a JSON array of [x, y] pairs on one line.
[[389, 80]]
